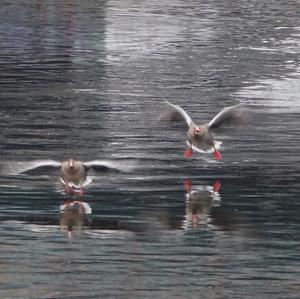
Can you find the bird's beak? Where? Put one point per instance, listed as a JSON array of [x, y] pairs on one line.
[[71, 163]]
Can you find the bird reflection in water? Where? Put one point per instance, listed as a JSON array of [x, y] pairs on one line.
[[199, 202], [74, 214]]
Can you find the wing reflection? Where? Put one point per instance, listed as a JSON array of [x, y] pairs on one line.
[[199, 202]]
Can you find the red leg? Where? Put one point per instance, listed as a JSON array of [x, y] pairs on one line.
[[81, 192], [217, 186], [67, 189], [67, 202], [188, 153], [217, 155], [195, 219]]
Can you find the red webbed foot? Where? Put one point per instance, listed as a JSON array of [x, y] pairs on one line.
[[188, 153], [68, 190], [217, 155], [216, 186]]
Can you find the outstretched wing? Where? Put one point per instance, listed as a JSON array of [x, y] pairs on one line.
[[104, 165], [177, 112], [14, 168], [237, 114]]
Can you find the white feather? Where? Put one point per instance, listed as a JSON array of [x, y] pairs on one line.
[[86, 207], [217, 146], [72, 185], [225, 114], [123, 165], [181, 112]]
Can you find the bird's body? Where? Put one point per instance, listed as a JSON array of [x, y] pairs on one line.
[[73, 173], [202, 140]]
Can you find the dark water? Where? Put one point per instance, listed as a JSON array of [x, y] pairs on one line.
[[87, 79]]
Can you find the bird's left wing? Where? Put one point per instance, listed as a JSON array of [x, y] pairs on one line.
[[15, 168]]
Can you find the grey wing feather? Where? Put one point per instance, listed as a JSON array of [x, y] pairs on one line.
[[237, 114], [14, 168], [177, 113], [103, 165]]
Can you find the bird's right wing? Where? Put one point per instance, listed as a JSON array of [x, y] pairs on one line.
[[104, 165], [177, 112], [238, 114], [15, 168]]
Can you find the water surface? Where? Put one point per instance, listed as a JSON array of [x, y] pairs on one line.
[[88, 80]]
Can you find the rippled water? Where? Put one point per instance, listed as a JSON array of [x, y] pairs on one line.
[[88, 80]]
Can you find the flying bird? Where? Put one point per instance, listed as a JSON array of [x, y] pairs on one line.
[[73, 173], [199, 136]]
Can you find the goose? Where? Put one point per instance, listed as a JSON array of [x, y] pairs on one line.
[[199, 136], [73, 173]]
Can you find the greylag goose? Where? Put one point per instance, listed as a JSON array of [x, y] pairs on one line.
[[200, 137], [73, 173]]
